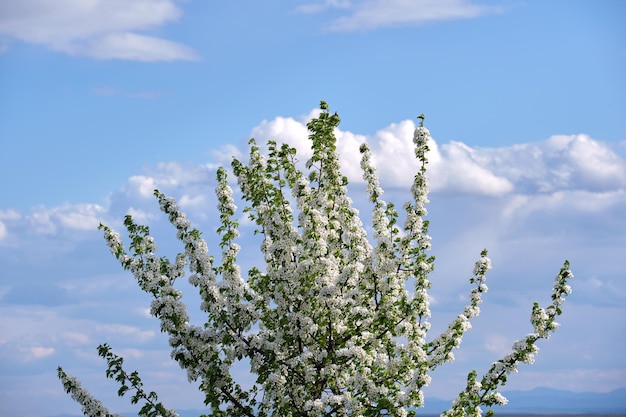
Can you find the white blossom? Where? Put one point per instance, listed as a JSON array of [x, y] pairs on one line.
[[334, 323]]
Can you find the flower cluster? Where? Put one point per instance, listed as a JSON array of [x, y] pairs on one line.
[[523, 351], [90, 406], [335, 322], [440, 349]]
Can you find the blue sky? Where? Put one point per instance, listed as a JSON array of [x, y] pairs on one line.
[[103, 101]]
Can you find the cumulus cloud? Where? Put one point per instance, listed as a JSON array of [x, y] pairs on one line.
[[284, 130], [453, 167], [102, 29], [559, 163], [599, 167], [372, 14], [457, 168], [562, 162], [293, 131], [140, 185]]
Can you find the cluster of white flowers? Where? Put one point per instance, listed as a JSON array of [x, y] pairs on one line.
[[440, 349], [335, 324], [523, 351], [114, 241], [90, 406]]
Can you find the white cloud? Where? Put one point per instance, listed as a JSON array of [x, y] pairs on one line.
[[223, 156], [3, 231], [41, 221], [293, 131], [10, 214], [132, 47], [138, 334], [284, 130], [453, 168], [103, 29], [575, 162], [190, 201], [140, 185], [177, 174], [561, 162], [7, 216], [599, 167], [562, 201], [140, 216], [83, 217], [143, 312], [372, 14], [39, 352], [457, 168], [164, 176], [188, 183], [80, 216], [393, 153]]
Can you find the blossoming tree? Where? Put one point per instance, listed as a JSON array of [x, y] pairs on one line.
[[334, 324]]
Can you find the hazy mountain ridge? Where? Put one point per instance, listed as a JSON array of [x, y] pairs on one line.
[[536, 402], [549, 401]]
